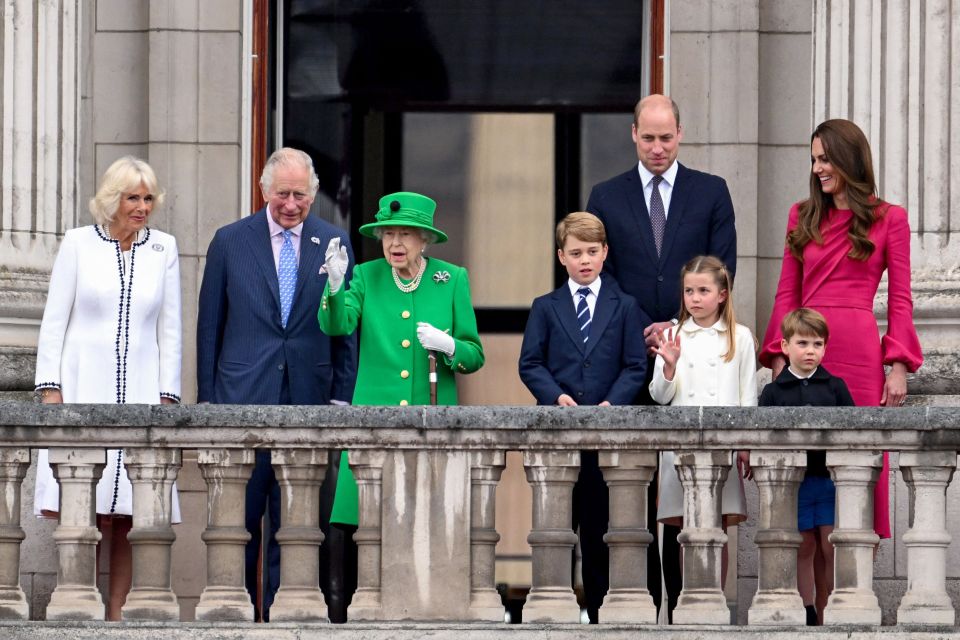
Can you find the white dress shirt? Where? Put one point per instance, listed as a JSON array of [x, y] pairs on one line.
[[666, 186], [276, 238]]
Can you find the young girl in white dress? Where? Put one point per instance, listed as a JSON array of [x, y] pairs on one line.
[[706, 360]]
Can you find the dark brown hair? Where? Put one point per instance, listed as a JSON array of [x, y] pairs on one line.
[[848, 151]]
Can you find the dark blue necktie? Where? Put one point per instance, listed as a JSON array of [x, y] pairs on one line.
[[658, 216], [583, 312]]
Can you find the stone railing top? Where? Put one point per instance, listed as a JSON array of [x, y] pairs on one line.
[[486, 427]]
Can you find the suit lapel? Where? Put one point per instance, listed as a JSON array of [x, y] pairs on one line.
[[638, 205], [679, 195], [258, 238], [603, 311], [311, 256], [567, 315]]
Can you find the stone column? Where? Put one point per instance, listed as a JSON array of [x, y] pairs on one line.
[[702, 474], [300, 473], [628, 475], [152, 473], [927, 475], [552, 475], [39, 107], [485, 470], [367, 467], [13, 466], [853, 601], [226, 472], [778, 475], [76, 596]]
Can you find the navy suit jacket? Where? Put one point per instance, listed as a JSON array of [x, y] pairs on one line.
[[611, 365], [243, 350], [700, 222]]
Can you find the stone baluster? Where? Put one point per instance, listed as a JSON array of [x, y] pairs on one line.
[[485, 470], [927, 475], [13, 466], [552, 475], [853, 601], [76, 596], [778, 475], [152, 473], [300, 473], [367, 467], [702, 474], [226, 472], [628, 475]]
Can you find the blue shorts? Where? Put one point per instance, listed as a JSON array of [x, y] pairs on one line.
[[817, 502]]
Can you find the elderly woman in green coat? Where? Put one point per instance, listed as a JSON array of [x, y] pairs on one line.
[[405, 305]]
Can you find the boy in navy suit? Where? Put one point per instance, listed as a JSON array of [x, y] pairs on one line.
[[582, 346]]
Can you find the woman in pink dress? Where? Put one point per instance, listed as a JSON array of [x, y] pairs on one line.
[[839, 242]]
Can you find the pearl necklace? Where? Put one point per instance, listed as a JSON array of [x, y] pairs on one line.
[[410, 288]]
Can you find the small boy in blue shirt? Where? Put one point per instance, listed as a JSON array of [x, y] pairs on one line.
[[583, 345], [805, 383]]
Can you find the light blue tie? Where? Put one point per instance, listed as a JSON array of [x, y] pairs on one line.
[[287, 275], [583, 313]]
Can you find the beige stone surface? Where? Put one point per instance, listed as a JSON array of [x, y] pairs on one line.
[[121, 81], [174, 75], [218, 110], [220, 15], [784, 105], [719, 15], [122, 15]]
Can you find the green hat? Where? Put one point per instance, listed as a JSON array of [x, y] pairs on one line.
[[405, 209]]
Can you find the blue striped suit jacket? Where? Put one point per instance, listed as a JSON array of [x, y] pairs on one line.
[[243, 350]]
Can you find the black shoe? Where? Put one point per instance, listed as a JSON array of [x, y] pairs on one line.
[[811, 616]]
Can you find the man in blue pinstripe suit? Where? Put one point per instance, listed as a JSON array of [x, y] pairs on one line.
[[258, 340]]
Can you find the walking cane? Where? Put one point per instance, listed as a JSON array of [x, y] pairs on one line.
[[433, 377]]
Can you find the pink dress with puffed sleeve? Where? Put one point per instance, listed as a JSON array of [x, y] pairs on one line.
[[843, 289]]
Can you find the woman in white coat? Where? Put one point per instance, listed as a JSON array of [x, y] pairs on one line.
[[111, 334]]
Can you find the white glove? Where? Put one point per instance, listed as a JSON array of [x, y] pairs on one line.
[[432, 339], [335, 264]]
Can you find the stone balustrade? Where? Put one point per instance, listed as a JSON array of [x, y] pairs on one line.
[[427, 480]]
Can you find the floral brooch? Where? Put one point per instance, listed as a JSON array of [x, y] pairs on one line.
[[441, 277]]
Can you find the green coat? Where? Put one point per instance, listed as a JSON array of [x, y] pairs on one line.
[[393, 368]]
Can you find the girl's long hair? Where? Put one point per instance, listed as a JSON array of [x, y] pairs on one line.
[[721, 277], [848, 151]]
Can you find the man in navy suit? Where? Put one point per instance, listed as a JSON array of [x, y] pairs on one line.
[[658, 215], [258, 340], [582, 346]]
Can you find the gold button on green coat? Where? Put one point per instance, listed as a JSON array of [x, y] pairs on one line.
[[373, 303]]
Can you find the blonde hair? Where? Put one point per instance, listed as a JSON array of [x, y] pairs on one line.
[[287, 157], [804, 322], [721, 277], [582, 226], [123, 176]]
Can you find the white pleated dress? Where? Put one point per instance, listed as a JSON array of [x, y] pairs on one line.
[[704, 379], [111, 333]]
